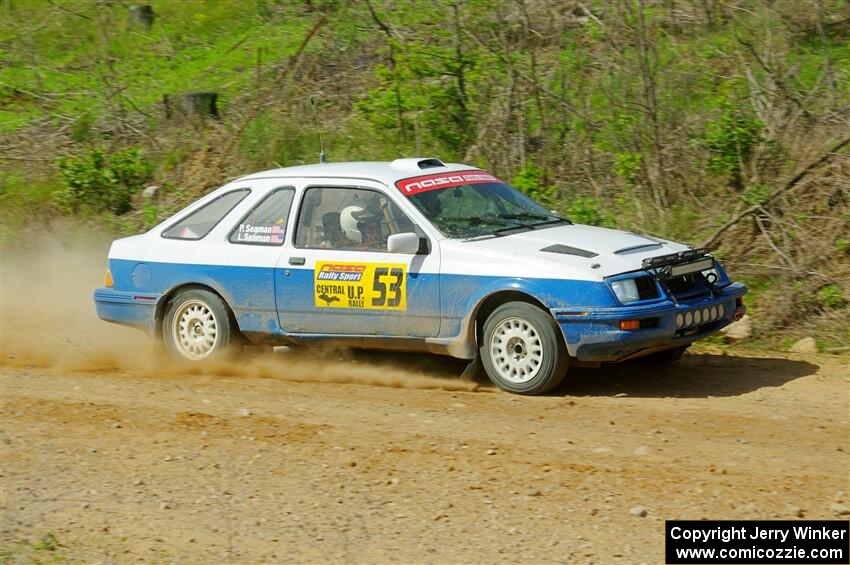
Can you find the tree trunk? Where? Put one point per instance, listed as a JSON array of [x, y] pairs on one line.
[[647, 70], [401, 122], [141, 16], [191, 105]]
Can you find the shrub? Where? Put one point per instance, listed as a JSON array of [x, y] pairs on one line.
[[627, 165], [831, 296], [730, 140], [150, 215], [130, 168], [96, 182], [756, 194], [530, 180], [589, 211]]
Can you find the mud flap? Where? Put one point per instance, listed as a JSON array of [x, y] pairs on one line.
[[473, 371]]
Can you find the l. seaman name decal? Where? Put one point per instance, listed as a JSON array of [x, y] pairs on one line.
[[373, 286]]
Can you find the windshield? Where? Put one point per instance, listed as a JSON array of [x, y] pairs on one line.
[[473, 203]]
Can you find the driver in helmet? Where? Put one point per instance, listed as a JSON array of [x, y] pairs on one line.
[[362, 225]]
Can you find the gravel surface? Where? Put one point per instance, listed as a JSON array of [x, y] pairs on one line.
[[108, 465]]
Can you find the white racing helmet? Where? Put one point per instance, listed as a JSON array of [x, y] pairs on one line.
[[354, 217], [348, 223]]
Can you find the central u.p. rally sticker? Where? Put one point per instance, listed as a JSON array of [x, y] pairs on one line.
[[375, 286]]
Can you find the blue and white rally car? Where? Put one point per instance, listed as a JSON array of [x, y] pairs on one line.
[[414, 255]]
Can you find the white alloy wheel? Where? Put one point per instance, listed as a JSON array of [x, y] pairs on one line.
[[522, 349], [516, 350], [195, 330]]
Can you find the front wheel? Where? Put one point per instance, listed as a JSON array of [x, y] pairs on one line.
[[522, 349], [198, 326]]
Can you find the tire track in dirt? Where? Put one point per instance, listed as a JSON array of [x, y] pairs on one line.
[[345, 457], [325, 472]]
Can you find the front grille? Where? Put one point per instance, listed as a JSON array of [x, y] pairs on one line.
[[687, 286]]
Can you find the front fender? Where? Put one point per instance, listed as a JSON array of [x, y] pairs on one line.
[[553, 294], [463, 296]]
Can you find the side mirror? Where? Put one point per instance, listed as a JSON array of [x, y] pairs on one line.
[[403, 243]]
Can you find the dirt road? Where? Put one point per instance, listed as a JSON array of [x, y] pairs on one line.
[[311, 463]]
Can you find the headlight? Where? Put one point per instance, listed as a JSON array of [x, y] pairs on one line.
[[711, 275], [625, 290]]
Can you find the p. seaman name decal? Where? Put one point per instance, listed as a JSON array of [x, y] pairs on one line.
[[374, 286], [425, 183], [247, 233]]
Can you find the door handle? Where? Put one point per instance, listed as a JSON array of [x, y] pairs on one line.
[[296, 260]]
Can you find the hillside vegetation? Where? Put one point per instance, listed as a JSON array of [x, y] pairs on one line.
[[725, 123]]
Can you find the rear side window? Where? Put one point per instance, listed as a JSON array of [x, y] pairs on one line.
[[266, 223], [201, 222]]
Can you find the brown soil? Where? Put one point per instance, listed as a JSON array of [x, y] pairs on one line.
[[253, 465], [113, 455]]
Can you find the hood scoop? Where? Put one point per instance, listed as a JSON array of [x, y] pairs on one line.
[[567, 250]]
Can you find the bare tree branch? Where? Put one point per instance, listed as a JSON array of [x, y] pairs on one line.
[[64, 9], [777, 193]]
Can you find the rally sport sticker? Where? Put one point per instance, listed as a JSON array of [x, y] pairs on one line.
[[374, 286]]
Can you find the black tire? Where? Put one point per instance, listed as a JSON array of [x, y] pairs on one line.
[[665, 357], [210, 308], [543, 343]]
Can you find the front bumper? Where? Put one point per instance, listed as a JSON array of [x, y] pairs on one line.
[[595, 335], [137, 309]]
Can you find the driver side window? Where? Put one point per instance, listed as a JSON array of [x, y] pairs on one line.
[[352, 219]]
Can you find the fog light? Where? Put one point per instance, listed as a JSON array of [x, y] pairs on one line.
[[629, 324], [721, 310], [706, 315], [697, 316], [680, 320], [713, 313], [689, 319]]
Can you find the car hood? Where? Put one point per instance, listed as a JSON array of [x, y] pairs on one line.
[[597, 252]]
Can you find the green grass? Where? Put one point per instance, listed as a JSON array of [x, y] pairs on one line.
[[47, 550], [86, 63], [17, 188], [79, 71], [24, 204]]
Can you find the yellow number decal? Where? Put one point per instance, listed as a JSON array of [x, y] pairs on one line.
[[372, 286]]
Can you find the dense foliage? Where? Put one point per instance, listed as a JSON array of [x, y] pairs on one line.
[[673, 117], [93, 183]]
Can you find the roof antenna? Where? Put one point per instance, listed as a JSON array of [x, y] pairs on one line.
[[319, 128]]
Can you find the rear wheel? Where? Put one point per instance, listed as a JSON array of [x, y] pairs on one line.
[[198, 326], [522, 349]]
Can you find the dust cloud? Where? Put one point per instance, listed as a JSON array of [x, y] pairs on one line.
[[48, 320]]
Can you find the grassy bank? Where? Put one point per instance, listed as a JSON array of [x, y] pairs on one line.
[[707, 122]]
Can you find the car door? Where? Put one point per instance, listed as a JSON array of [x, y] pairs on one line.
[[339, 278]]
